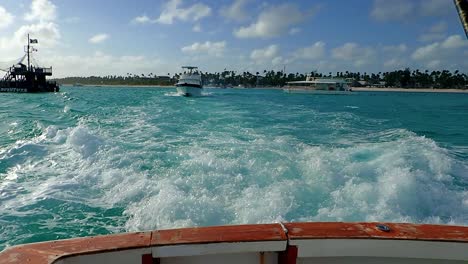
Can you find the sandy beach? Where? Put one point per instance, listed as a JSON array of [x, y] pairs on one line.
[[410, 90]]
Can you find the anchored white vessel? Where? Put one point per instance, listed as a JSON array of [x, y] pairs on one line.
[[318, 85], [282, 243], [190, 83]]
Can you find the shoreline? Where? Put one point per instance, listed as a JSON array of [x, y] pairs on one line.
[[355, 89], [120, 85]]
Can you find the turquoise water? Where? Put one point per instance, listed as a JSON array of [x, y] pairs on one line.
[[90, 161]]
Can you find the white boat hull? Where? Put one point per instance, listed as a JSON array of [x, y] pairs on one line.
[[189, 91]]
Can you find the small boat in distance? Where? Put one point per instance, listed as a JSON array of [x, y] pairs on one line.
[[318, 85], [190, 83]]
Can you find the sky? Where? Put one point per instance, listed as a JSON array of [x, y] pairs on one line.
[[117, 37]]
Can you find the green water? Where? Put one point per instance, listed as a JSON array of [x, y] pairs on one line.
[[92, 160]]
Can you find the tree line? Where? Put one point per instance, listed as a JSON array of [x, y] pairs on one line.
[[406, 78]]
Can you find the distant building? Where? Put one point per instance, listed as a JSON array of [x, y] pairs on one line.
[[379, 84]]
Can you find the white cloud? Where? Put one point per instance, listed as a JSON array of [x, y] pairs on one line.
[[454, 42], [5, 18], [47, 33], [446, 54], [384, 10], [210, 48], [172, 12], [267, 53], [426, 52], [196, 28], [236, 11], [103, 64], [436, 7], [397, 10], [41, 10], [277, 61], [436, 32], [99, 38], [270, 20], [273, 22], [267, 57], [430, 36], [142, 20], [439, 27], [449, 46], [359, 56], [392, 56], [395, 63], [313, 52], [433, 64], [395, 48], [294, 31]]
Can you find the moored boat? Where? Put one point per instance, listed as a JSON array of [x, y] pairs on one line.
[[288, 243], [190, 82], [318, 85]]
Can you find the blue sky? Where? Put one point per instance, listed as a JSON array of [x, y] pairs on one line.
[[88, 37]]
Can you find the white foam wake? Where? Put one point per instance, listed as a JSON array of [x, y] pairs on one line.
[[223, 178]]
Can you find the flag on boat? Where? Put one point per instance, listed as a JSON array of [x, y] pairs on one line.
[[33, 41]]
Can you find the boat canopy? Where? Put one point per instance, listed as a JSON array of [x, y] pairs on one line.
[[328, 81]]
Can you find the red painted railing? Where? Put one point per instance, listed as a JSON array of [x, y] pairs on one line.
[[49, 252]]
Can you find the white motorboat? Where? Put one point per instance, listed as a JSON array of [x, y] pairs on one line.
[[190, 83], [281, 243]]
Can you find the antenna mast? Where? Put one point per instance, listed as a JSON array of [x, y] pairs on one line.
[[29, 64]]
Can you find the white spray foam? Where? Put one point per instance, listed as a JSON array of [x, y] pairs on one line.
[[83, 142], [59, 156], [236, 175], [405, 180]]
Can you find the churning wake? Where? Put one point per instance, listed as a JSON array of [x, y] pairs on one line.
[[141, 167]]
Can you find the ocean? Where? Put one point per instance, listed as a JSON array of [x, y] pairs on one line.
[[99, 160]]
